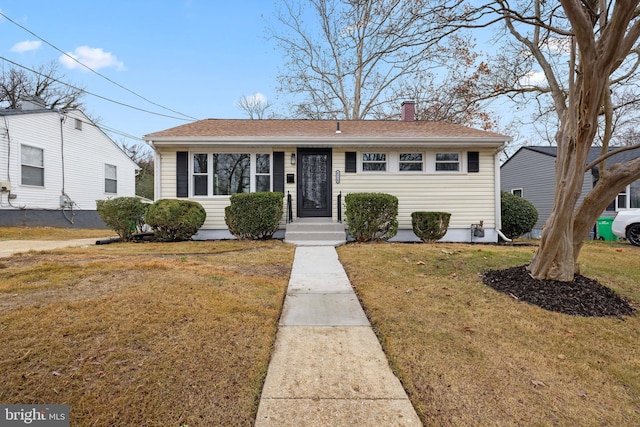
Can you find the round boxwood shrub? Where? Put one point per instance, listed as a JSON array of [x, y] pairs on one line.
[[175, 220], [254, 216], [430, 226], [371, 216], [124, 215], [519, 216]]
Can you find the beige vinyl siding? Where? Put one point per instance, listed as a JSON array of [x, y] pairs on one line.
[[469, 197], [214, 206]]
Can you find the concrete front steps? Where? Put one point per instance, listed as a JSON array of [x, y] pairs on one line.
[[315, 232]]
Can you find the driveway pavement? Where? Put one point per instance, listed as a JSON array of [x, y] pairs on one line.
[[10, 247]]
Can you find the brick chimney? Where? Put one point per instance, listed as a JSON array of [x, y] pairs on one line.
[[408, 111]]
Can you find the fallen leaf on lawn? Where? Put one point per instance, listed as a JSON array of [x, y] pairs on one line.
[[408, 291], [581, 393], [514, 297], [561, 356], [446, 252], [468, 329], [618, 250], [422, 275], [420, 263], [570, 334], [56, 373], [538, 383]]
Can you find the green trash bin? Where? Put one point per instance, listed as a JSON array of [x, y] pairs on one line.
[[604, 229]]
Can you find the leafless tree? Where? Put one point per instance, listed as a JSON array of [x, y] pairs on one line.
[[45, 82], [357, 59], [587, 53], [255, 106]]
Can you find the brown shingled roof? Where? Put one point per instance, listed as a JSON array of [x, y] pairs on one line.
[[221, 128]]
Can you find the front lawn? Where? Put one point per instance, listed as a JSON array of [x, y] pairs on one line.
[[469, 355], [146, 334]]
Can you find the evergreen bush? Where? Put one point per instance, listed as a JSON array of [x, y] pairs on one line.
[[430, 226], [175, 220], [371, 216], [254, 216], [124, 215], [519, 216]]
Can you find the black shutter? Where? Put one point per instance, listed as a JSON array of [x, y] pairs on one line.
[[182, 174], [350, 161], [473, 161], [278, 171]]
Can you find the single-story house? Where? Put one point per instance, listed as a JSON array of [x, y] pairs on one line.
[[530, 173], [429, 166], [54, 165]]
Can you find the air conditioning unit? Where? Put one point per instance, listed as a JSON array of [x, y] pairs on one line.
[[5, 186]]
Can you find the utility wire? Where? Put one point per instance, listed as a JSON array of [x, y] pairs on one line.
[[91, 93], [94, 71]]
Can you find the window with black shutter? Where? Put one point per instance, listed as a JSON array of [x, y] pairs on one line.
[[182, 174], [473, 161], [278, 171], [350, 161]]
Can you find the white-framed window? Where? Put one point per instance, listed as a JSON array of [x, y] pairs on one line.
[[231, 173], [263, 172], [32, 165], [517, 192], [374, 162], [411, 162], [110, 179], [447, 162], [200, 174]]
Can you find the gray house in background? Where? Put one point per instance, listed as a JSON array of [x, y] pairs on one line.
[[530, 173]]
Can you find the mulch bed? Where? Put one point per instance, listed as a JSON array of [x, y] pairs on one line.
[[582, 297]]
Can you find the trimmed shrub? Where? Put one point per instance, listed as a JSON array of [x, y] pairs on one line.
[[519, 216], [254, 216], [175, 220], [124, 215], [371, 216], [430, 226]]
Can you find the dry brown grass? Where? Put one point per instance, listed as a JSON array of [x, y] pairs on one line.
[[52, 233], [471, 356], [143, 334]]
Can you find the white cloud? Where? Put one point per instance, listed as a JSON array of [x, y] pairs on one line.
[[257, 98], [93, 57], [533, 78], [26, 46]]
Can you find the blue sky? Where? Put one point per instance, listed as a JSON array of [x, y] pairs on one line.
[[196, 57]]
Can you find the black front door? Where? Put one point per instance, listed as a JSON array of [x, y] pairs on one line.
[[314, 182]]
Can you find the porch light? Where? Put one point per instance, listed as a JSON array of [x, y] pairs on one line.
[[293, 159]]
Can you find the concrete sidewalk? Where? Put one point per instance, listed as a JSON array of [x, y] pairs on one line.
[[10, 247], [328, 368]]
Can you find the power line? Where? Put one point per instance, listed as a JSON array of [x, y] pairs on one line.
[[94, 71], [91, 93]]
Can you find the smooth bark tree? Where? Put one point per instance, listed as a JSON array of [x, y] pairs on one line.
[[254, 106], [586, 50]]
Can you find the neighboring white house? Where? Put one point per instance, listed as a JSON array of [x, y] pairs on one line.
[[54, 165], [429, 166], [531, 173]]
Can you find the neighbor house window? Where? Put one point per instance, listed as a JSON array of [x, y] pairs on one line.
[[410, 162], [78, 124], [110, 179], [231, 173], [447, 162], [374, 162], [634, 195], [32, 165], [263, 172], [200, 175], [517, 192]]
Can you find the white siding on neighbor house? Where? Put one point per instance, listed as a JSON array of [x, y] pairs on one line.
[[82, 152], [469, 197]]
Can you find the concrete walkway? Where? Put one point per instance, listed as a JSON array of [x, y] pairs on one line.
[[10, 247], [328, 368]]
